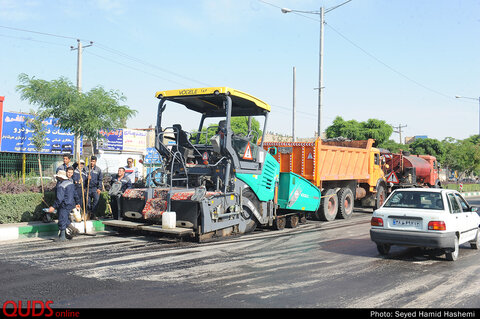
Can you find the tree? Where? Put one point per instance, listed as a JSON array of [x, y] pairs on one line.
[[38, 139], [448, 159], [239, 126], [81, 113], [428, 146], [379, 130], [393, 146], [467, 157]]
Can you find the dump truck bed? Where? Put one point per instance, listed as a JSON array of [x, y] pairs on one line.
[[325, 161]]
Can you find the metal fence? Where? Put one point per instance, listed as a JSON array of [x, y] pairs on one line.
[[21, 165]]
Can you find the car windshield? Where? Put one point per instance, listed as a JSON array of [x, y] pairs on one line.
[[419, 200]]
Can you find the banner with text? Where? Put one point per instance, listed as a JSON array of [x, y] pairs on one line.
[[17, 138]]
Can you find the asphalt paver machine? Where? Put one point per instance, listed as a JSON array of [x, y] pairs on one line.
[[216, 182]]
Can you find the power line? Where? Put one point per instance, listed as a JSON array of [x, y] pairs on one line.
[[386, 65], [129, 57], [42, 33], [367, 53], [114, 51], [133, 68], [29, 39]]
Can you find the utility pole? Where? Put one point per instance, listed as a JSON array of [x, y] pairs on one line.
[[79, 62], [399, 131], [79, 49], [294, 97]]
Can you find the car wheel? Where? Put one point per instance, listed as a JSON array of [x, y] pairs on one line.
[[453, 255], [383, 249], [476, 243]]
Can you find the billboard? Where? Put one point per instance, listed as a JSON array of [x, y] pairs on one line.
[[112, 140], [16, 137], [123, 140], [2, 98], [134, 140]]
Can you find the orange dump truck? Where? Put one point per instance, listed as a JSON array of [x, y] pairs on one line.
[[345, 171]]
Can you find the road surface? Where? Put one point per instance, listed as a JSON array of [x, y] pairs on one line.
[[325, 265]]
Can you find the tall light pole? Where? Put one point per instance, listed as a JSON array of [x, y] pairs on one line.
[[321, 13], [472, 98], [294, 104]]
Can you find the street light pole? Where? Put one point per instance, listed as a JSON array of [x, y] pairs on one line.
[[294, 103], [321, 13], [320, 75], [472, 98]]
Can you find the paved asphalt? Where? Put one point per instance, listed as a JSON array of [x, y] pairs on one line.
[[318, 265]]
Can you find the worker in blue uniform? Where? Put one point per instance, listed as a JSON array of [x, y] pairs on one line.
[[66, 199], [120, 183], [80, 176], [66, 163], [94, 187]]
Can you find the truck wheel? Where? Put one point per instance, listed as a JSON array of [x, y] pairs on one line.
[[250, 202], [452, 255], [381, 196], [345, 203], [328, 206], [279, 223], [292, 221], [303, 219]]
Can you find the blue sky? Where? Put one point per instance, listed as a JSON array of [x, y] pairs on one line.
[[402, 61]]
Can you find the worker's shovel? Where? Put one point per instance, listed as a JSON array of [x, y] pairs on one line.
[[85, 208]]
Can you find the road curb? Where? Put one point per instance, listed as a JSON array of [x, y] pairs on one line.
[[37, 229], [470, 194]]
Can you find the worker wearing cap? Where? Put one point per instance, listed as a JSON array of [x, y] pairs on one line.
[[66, 199], [94, 186]]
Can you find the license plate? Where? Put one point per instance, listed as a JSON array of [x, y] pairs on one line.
[[412, 223]]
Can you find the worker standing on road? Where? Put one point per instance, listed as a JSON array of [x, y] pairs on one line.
[[120, 183], [80, 176], [94, 187], [131, 171], [66, 200]]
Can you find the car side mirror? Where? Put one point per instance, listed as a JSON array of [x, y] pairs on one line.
[[474, 209]]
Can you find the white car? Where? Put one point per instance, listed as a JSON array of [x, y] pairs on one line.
[[425, 217]]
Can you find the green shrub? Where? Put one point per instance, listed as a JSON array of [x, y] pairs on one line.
[[466, 187], [26, 207], [23, 207]]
